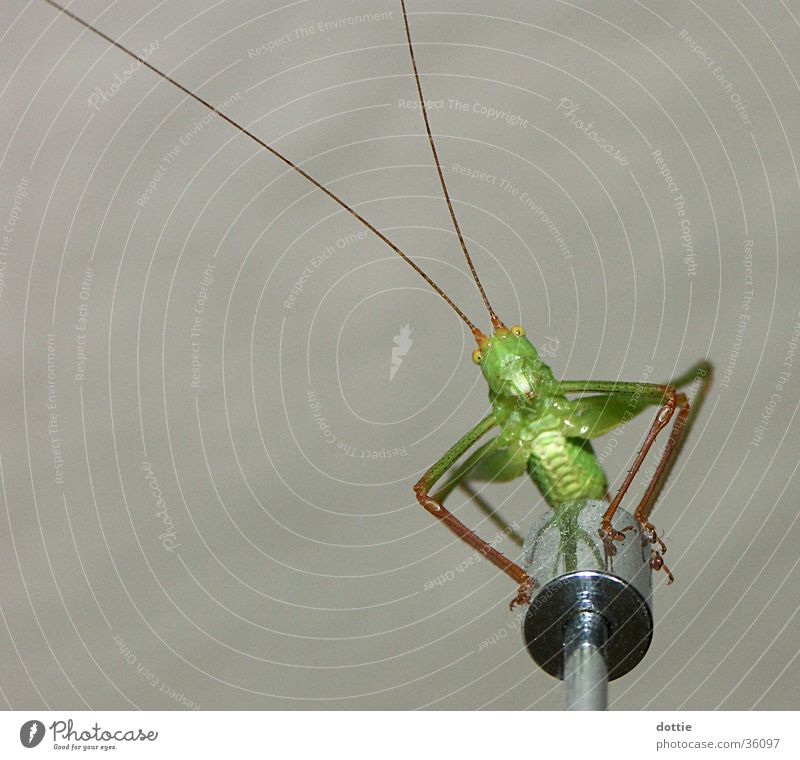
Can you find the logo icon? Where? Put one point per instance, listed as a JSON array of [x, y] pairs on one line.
[[549, 349], [31, 733], [402, 345]]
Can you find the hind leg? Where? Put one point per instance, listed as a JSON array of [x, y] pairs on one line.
[[686, 416], [600, 414]]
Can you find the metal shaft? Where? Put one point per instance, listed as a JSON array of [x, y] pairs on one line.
[[585, 670]]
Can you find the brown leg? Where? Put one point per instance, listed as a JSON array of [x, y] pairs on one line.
[[607, 531], [643, 509], [498, 559], [436, 508], [677, 437], [668, 457], [658, 393]]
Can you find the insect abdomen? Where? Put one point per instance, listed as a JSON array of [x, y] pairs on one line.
[[565, 468]]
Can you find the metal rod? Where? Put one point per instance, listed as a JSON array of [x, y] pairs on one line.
[[585, 670]]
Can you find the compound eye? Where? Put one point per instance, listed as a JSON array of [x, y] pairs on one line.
[[477, 356], [518, 331]]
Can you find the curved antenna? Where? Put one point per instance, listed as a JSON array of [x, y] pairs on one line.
[[475, 331], [495, 321]]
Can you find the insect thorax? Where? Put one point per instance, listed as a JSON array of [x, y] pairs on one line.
[[563, 468]]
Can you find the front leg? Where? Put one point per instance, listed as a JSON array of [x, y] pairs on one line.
[[437, 509]]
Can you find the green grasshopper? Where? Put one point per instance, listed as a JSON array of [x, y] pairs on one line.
[[546, 435], [541, 432]]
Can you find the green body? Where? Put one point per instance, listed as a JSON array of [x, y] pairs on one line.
[[536, 439], [542, 432]]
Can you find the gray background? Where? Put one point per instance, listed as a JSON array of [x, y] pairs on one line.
[[305, 575]]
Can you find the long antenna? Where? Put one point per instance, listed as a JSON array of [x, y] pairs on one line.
[[475, 331], [495, 321]]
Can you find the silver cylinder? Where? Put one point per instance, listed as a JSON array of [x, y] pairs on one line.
[[565, 556]]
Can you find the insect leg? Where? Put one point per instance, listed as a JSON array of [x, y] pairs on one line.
[[489, 463], [437, 509], [510, 529], [704, 370], [642, 394], [651, 392]]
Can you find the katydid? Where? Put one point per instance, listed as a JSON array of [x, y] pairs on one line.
[[541, 432]]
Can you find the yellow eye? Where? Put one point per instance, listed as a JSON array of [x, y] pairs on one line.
[[477, 356], [518, 331]]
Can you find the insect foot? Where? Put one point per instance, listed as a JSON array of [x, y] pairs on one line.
[[652, 537], [609, 534], [523, 593], [657, 563]]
